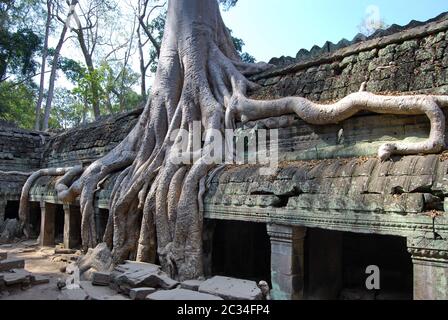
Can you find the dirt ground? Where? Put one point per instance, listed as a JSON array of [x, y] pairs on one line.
[[39, 261]]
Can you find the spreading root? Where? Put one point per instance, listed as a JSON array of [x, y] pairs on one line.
[[156, 204]]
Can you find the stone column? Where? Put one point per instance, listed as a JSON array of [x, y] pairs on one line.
[[430, 259], [72, 226], [48, 216], [287, 262], [3, 204]]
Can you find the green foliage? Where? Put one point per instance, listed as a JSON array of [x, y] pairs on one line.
[[112, 87], [17, 51], [156, 27], [68, 110], [20, 38], [17, 104], [239, 44]]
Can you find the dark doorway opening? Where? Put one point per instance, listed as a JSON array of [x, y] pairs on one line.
[[336, 266], [59, 224], [35, 219], [241, 250], [389, 254], [12, 210]]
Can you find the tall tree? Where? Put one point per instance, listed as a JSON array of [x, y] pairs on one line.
[[88, 34], [200, 77], [19, 39], [40, 98], [55, 62]]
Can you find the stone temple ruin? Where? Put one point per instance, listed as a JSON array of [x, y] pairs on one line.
[[332, 208]]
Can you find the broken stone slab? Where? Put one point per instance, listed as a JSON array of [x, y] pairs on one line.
[[181, 294], [192, 285], [95, 292], [141, 293], [9, 264], [231, 288], [101, 278], [138, 275], [3, 256], [16, 277]]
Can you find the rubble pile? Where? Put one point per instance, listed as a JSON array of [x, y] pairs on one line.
[[145, 281], [13, 275]]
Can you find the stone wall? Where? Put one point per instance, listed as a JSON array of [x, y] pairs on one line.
[[413, 60], [20, 150], [87, 143]]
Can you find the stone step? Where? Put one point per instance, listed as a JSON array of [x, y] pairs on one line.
[[9, 264]]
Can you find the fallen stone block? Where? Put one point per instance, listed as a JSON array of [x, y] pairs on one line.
[[101, 278], [138, 275], [141, 293], [9, 264], [181, 294], [3, 256], [16, 277], [192, 285], [231, 288]]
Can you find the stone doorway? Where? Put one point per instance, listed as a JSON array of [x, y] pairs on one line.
[[241, 250], [336, 264], [12, 210]]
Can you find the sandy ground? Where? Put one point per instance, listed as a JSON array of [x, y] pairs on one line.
[[39, 261]]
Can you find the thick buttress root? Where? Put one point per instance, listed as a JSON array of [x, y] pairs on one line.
[[156, 205]]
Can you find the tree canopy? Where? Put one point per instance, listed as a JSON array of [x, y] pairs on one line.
[[96, 70]]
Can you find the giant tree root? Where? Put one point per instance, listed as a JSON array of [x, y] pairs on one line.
[[156, 205], [318, 114]]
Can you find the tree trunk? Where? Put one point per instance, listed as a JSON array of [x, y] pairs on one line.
[[54, 67], [91, 69], [43, 66], [143, 67], [155, 203]]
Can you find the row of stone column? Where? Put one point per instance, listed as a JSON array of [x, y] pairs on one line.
[[72, 225], [429, 257]]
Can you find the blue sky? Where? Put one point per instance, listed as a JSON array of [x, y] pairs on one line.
[[272, 28]]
